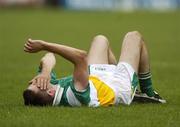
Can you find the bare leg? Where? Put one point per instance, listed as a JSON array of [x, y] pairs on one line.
[[144, 60], [134, 52], [112, 58], [100, 52], [131, 49]]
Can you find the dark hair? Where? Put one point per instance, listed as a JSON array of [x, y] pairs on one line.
[[41, 98]]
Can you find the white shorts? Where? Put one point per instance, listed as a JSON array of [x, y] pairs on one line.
[[121, 78]]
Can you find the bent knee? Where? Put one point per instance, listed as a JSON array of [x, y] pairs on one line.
[[134, 34], [101, 39], [135, 38]]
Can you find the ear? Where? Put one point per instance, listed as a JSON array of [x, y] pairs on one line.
[[51, 92]]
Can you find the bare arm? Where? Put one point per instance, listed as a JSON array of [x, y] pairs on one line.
[[76, 56], [47, 63]]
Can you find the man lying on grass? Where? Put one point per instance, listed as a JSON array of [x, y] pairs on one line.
[[97, 80]]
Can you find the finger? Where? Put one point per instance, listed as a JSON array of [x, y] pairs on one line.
[[26, 50], [45, 84], [42, 84], [30, 82], [29, 40], [48, 81], [34, 82], [29, 51], [28, 47], [28, 44], [38, 83]]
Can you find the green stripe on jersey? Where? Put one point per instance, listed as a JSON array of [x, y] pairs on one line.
[[83, 97]]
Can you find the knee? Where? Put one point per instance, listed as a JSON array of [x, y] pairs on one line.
[[101, 39], [135, 36]]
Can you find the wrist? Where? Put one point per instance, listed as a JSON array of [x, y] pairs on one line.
[[46, 72], [45, 45]]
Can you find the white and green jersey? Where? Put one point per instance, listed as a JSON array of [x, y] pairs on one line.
[[67, 95]]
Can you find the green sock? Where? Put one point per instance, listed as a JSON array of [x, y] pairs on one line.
[[146, 83]]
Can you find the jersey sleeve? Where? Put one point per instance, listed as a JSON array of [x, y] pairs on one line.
[[82, 96]]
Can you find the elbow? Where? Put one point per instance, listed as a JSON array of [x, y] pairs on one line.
[[47, 58], [50, 55], [83, 54], [82, 57]]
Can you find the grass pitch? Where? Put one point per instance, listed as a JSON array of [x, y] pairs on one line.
[[161, 32]]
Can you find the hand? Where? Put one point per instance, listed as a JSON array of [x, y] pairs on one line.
[[33, 46], [42, 81]]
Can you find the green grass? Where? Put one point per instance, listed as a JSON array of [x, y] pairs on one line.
[[160, 30]]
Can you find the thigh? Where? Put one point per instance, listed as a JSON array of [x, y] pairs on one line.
[[98, 53], [131, 49]]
